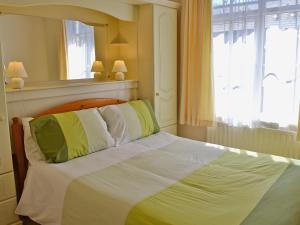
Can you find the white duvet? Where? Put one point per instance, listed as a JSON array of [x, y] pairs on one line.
[[46, 184]]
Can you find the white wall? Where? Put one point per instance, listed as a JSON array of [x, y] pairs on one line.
[[129, 52], [192, 132], [104, 51], [26, 39], [53, 30]]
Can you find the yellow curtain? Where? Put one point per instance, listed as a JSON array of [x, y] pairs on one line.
[[196, 92], [63, 56]]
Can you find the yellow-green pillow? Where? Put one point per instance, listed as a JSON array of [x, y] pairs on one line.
[[65, 136]]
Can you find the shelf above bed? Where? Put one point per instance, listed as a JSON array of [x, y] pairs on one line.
[[33, 99], [63, 88]]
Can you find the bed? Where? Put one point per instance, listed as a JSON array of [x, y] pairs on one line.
[[160, 179]]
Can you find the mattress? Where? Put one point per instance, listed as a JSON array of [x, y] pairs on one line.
[[164, 179]]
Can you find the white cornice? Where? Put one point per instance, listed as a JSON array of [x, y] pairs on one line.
[[115, 8]]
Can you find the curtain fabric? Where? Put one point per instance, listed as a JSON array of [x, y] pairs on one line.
[[80, 42], [256, 62], [234, 62], [196, 92], [63, 57]]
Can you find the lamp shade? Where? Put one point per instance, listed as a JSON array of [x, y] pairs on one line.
[[119, 66], [16, 69], [97, 66]]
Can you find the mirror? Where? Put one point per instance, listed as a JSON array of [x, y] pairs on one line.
[[53, 49]]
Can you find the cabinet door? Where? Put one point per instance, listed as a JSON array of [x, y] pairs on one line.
[[5, 150], [165, 65]]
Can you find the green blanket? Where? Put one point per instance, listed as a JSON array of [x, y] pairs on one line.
[[173, 185]]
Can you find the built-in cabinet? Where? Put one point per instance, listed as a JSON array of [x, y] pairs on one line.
[[7, 183], [157, 62]]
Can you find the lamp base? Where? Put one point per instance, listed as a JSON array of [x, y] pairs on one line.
[[99, 76], [119, 76], [17, 83]]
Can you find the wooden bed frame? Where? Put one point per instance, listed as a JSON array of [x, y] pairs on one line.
[[20, 160]]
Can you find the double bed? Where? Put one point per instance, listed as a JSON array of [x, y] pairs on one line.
[[160, 179]]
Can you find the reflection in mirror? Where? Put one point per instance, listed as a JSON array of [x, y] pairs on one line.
[[80, 49], [52, 49]]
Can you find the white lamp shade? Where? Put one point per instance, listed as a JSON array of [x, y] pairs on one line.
[[97, 66], [119, 66], [16, 69]]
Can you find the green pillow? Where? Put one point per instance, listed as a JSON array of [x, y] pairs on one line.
[[65, 136]]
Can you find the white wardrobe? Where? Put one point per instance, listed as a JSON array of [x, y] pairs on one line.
[[157, 62], [7, 183]]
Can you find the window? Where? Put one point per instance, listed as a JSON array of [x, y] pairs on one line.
[[80, 48], [256, 62]]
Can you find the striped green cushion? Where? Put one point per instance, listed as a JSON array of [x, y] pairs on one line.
[[130, 121], [65, 136]]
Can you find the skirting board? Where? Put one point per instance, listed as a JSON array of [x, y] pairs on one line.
[[30, 101]]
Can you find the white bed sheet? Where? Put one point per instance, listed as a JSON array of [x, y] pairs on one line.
[[45, 185]]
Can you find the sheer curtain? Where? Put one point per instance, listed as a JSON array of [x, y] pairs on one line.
[[80, 47], [256, 62], [63, 56]]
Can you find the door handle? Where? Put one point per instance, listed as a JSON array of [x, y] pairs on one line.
[[157, 94]]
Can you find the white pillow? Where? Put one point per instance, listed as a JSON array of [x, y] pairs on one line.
[[32, 150], [116, 124], [130, 121]]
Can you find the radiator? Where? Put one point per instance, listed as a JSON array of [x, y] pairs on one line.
[[262, 140]]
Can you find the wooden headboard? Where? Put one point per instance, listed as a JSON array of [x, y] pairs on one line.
[[20, 160]]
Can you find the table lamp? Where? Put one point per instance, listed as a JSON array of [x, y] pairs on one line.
[[98, 68], [16, 72], [119, 69]]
